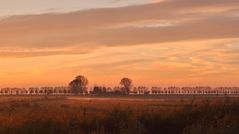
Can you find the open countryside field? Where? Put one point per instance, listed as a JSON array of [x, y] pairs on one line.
[[116, 115]]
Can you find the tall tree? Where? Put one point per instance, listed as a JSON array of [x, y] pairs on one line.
[[79, 85], [127, 85]]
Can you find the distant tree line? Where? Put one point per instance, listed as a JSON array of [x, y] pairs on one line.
[[80, 83], [79, 86]]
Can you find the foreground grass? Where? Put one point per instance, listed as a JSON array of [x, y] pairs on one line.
[[59, 115]]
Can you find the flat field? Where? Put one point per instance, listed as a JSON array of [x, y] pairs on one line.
[[118, 114]]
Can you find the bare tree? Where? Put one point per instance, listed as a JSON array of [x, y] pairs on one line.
[[79, 85], [127, 85]]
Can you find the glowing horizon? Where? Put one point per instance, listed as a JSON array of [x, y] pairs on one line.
[[164, 42]]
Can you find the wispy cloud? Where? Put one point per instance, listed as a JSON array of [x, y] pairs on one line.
[[166, 41], [151, 23]]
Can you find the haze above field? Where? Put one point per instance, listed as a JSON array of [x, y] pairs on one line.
[[181, 42]]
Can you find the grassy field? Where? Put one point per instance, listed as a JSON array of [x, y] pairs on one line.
[[118, 115]]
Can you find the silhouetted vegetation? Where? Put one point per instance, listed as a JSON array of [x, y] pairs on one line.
[[127, 85], [61, 116], [99, 90], [78, 85]]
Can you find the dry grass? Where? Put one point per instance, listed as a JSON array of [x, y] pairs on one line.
[[24, 114]]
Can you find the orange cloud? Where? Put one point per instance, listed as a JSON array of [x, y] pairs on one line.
[[157, 43]]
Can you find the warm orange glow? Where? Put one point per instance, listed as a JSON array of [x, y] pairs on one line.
[[197, 45]]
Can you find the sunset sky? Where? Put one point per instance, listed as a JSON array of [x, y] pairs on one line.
[[154, 42]]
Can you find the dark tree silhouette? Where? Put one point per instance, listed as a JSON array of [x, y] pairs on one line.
[[127, 84], [99, 90], [79, 85]]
